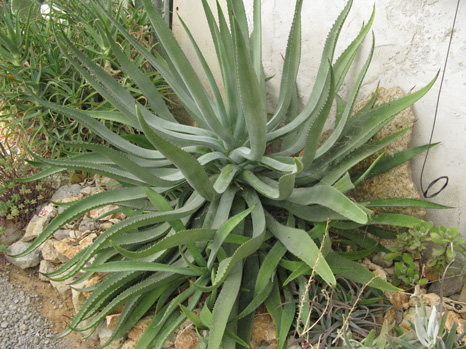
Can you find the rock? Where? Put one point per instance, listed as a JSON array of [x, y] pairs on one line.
[[170, 342], [431, 299], [390, 316], [94, 279], [67, 247], [62, 234], [399, 300], [375, 268], [136, 332], [453, 317], [77, 297], [263, 331], [462, 297], [35, 227], [105, 225], [397, 182], [87, 240], [30, 260], [103, 332], [111, 320], [48, 211], [66, 191], [87, 224], [11, 234], [452, 284], [87, 191], [187, 338], [115, 344], [129, 344], [107, 181], [379, 260], [101, 211], [67, 200], [48, 251], [44, 268], [62, 287], [408, 317]]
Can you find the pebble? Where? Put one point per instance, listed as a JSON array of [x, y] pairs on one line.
[[21, 326]]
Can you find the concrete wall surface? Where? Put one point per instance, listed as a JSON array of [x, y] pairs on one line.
[[411, 45]]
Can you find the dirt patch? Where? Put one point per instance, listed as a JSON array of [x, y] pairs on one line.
[[49, 303]]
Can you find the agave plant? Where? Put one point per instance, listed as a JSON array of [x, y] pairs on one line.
[[234, 206]]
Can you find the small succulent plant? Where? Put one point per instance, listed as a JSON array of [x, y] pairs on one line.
[[409, 259]]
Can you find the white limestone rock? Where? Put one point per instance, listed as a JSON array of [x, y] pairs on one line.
[[30, 260]]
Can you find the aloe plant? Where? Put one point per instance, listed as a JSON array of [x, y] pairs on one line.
[[228, 207]]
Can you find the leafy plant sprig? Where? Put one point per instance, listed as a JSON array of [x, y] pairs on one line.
[[19, 201]]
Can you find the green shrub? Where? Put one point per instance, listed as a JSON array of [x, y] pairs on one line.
[[32, 63], [18, 202], [221, 209], [409, 258]]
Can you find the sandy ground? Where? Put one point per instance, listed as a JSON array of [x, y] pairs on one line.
[[48, 299]]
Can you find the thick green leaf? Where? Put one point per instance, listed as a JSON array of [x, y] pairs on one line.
[[113, 267], [223, 232], [290, 69], [192, 170], [299, 243], [357, 273], [187, 73], [405, 203], [331, 198], [223, 306], [252, 103]]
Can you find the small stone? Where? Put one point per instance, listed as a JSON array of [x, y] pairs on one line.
[[87, 224], [400, 300], [87, 240], [112, 320], [77, 297], [35, 227], [36, 341], [91, 190], [62, 287], [136, 332], [67, 247], [130, 344], [187, 338], [452, 318], [452, 284], [4, 324], [431, 299], [66, 191], [24, 327], [11, 234], [105, 225], [101, 211], [61, 234], [30, 260], [263, 329], [48, 251], [379, 259]]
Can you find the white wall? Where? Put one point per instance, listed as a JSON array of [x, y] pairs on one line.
[[411, 44]]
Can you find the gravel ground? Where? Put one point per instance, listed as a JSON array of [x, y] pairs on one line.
[[21, 326]]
